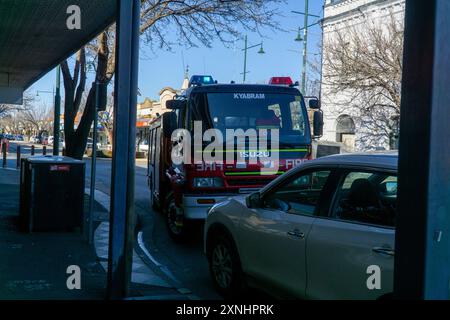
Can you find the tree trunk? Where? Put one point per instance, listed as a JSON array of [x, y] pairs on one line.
[[77, 140]]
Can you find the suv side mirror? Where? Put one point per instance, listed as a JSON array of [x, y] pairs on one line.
[[253, 200], [175, 104], [318, 123], [314, 103]]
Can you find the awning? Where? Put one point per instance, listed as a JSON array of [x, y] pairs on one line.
[[34, 38]]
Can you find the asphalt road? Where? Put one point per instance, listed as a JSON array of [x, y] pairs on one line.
[[186, 262]]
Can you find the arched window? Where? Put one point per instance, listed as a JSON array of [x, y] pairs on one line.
[[344, 126]]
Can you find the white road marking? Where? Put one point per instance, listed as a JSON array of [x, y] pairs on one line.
[[144, 249]]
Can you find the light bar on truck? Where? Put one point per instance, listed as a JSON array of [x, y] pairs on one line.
[[198, 80], [285, 81]]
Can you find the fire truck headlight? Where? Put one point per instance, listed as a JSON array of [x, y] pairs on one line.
[[207, 183]]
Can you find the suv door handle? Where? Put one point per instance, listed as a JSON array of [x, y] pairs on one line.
[[384, 250], [296, 233]]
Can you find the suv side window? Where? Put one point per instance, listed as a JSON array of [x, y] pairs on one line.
[[301, 195], [367, 197]]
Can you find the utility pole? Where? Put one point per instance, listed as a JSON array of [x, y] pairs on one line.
[[245, 59], [56, 121], [306, 15]]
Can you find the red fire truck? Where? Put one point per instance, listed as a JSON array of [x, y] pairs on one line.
[[184, 192]]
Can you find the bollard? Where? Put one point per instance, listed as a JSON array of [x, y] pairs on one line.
[[4, 154], [32, 150], [44, 150], [63, 151], [18, 157]]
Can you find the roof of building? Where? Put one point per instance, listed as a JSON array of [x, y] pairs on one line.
[[167, 89], [34, 37]]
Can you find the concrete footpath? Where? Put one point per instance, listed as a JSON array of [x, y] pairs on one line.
[[34, 266]]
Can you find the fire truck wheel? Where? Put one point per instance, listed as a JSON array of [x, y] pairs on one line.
[[177, 225], [154, 203]]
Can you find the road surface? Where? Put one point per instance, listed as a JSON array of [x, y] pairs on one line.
[[185, 262]]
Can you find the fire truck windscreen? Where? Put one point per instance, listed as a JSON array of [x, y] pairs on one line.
[[241, 110]]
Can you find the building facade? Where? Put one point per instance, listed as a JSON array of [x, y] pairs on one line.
[[150, 109], [343, 122]]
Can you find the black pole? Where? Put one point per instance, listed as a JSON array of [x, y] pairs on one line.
[[4, 154], [44, 150], [32, 150], [93, 164], [56, 120], [422, 242], [123, 163], [18, 157]]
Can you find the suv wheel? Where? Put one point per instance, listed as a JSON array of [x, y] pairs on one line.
[[225, 267]]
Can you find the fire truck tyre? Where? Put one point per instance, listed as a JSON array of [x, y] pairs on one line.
[[225, 267], [153, 203], [177, 225]]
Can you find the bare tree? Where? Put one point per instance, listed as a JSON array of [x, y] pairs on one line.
[[4, 108], [362, 68], [194, 21], [10, 114], [37, 119], [106, 119]]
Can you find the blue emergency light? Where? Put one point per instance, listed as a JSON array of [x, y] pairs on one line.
[[198, 80]]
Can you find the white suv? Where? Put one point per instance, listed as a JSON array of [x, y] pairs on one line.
[[324, 230]]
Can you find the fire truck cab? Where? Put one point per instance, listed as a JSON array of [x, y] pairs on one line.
[[185, 191]]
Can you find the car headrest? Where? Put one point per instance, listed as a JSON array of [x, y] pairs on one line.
[[363, 194]]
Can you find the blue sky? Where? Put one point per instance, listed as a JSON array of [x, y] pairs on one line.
[[161, 68]]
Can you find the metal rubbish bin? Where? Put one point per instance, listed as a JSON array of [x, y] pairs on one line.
[[51, 193]]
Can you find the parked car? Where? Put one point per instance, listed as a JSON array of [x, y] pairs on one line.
[[43, 140], [35, 139], [19, 137], [314, 232], [89, 144], [143, 146], [50, 140]]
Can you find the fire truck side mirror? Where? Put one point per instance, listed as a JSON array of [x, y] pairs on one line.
[[318, 124], [314, 103], [169, 123], [175, 104]]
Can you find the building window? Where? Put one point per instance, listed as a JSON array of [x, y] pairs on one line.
[[345, 131]]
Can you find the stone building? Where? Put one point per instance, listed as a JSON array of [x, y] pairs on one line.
[[344, 126]]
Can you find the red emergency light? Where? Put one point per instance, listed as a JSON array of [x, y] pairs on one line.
[[286, 81]]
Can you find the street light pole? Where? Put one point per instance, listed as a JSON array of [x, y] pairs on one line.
[[305, 47], [56, 121], [306, 14], [245, 59], [246, 48]]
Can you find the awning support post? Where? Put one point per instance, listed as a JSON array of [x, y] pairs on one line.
[[422, 242], [123, 164]]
